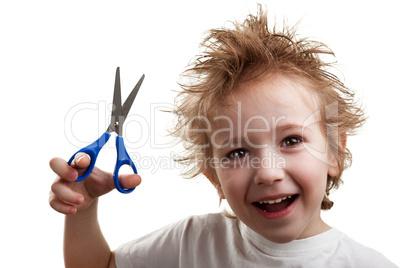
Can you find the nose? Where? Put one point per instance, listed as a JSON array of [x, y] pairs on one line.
[[269, 171]]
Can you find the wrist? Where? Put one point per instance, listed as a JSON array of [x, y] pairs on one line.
[[87, 214]]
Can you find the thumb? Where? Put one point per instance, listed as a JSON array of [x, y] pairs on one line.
[[81, 160], [129, 181]]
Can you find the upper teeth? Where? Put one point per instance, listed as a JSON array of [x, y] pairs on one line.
[[275, 200]]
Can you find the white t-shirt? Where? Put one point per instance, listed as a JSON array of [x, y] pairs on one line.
[[214, 240]]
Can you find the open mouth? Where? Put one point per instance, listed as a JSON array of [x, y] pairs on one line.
[[276, 205]]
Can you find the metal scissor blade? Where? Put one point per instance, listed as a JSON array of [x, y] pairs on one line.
[[117, 111], [130, 99]]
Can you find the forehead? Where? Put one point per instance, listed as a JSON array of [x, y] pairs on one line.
[[274, 96], [280, 89]]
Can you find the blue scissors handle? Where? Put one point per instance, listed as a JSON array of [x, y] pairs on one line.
[[92, 150], [122, 159]]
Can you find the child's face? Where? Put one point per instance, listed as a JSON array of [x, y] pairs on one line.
[[271, 149]]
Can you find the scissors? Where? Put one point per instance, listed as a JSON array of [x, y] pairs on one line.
[[119, 115]]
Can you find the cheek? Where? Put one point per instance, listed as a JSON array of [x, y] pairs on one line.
[[234, 182], [309, 172]]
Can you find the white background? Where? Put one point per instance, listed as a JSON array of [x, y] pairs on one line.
[[55, 55]]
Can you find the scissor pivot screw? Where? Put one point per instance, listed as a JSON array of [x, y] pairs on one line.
[[116, 124]]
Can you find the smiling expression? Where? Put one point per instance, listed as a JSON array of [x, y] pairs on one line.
[[274, 158]]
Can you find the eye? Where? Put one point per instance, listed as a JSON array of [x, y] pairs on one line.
[[291, 141], [237, 154]]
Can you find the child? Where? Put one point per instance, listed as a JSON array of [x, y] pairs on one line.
[[267, 124]]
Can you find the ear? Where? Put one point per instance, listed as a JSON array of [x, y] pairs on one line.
[[334, 165], [215, 183], [344, 140]]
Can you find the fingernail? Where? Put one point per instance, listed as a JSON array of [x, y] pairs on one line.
[[72, 211], [80, 200], [79, 158], [74, 176]]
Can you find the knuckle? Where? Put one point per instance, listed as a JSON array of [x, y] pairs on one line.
[[54, 187], [53, 203], [52, 162], [58, 206]]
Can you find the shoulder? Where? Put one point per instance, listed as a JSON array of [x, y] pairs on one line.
[[178, 243], [190, 227], [360, 255], [201, 222], [214, 226], [207, 220]]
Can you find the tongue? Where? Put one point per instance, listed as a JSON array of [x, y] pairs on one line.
[[277, 206]]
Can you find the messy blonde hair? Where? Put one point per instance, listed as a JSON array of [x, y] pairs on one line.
[[243, 52]]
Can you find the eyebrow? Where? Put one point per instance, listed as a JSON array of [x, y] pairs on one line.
[[230, 142], [284, 127], [304, 130], [291, 127], [287, 127]]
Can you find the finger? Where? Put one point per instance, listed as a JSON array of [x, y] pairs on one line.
[[66, 194], [129, 181], [62, 169], [81, 161], [60, 206]]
